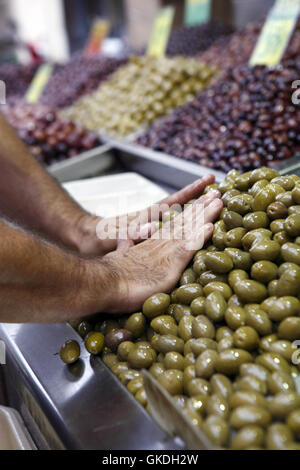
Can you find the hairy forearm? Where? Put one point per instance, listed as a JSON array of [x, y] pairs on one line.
[[30, 196], [40, 282]]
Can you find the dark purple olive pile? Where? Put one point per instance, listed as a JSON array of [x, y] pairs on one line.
[[245, 121], [81, 75], [50, 139], [189, 41], [17, 78], [237, 49]]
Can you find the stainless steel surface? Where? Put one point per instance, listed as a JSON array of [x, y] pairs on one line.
[[170, 417], [82, 406], [289, 166], [87, 164], [160, 166]]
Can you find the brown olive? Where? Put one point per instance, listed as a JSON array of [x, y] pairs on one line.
[[116, 337]]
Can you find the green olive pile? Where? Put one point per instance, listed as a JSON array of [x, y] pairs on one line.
[[139, 92], [222, 342]]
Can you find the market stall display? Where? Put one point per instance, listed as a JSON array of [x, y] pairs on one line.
[[237, 49], [17, 78], [49, 138], [79, 76], [244, 121], [139, 92], [190, 40], [221, 343]]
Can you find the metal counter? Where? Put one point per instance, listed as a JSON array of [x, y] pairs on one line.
[[82, 406]]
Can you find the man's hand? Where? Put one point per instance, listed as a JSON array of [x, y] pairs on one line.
[[92, 235], [156, 265]]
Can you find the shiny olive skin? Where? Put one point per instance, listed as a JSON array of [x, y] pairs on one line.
[[286, 182], [232, 219], [248, 436], [273, 362], [296, 194], [215, 306], [188, 277], [263, 198], [240, 203], [253, 220], [235, 317], [229, 195], [282, 404], [157, 369], [229, 360], [264, 271], [293, 421], [119, 367], [277, 210], [292, 225], [198, 345], [254, 370], [136, 324], [235, 276], [140, 358], [134, 385], [180, 311], [197, 386], [172, 381], [254, 236], [286, 198], [116, 337], [278, 436], [259, 320], [294, 210], [174, 360], [218, 262], [84, 328], [209, 276], [128, 375], [187, 293], [141, 396], [185, 327], [246, 337], [263, 173], [205, 364], [199, 265], [70, 351], [250, 382], [277, 225], [233, 238], [281, 238], [289, 282], [197, 403], [217, 405], [164, 324], [221, 287], [198, 306], [156, 305], [250, 291], [223, 332], [124, 349], [280, 381], [283, 307], [289, 328], [202, 327], [95, 342], [240, 259], [247, 397], [216, 429], [249, 414], [166, 343], [291, 252], [265, 250], [266, 341], [221, 385]]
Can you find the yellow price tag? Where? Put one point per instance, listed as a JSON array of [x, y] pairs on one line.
[[161, 31], [276, 33], [99, 32], [38, 83]]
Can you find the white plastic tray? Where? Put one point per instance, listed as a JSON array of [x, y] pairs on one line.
[[13, 434], [108, 196]]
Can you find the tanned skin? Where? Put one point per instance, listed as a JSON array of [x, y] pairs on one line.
[[53, 266]]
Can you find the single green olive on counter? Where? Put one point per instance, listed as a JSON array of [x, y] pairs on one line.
[[95, 343], [156, 305], [70, 351]]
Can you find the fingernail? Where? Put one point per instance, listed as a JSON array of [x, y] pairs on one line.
[[214, 192], [215, 203]]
